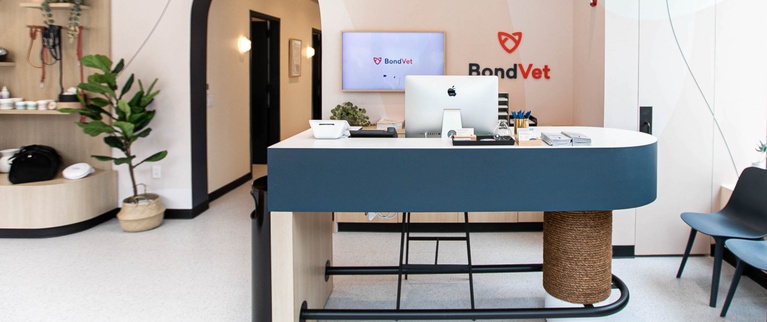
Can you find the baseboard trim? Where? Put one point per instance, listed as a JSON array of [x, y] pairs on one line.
[[199, 209], [58, 231], [186, 213], [229, 187], [625, 251]]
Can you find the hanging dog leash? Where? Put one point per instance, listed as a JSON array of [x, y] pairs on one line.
[[33, 32]]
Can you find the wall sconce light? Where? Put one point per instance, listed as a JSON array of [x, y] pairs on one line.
[[309, 52], [243, 44], [593, 3]]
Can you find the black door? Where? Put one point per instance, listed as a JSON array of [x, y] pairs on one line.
[[317, 75], [264, 85]]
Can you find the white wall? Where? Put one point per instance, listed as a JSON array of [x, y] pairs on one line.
[[165, 56], [645, 66]]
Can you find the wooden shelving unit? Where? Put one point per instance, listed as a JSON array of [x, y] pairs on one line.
[[57, 206]]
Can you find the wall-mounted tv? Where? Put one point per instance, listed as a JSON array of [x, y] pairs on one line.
[[378, 61]]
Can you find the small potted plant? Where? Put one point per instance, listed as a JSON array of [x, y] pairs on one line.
[[762, 149], [127, 120], [351, 113]]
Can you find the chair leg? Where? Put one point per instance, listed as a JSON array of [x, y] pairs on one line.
[[687, 249], [468, 253], [718, 253], [735, 280]]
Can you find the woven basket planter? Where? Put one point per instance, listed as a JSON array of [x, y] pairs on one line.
[[577, 255], [143, 215]]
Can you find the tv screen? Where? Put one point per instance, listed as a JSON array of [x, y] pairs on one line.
[[379, 61]]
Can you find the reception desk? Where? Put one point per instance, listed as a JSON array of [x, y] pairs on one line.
[[309, 179]]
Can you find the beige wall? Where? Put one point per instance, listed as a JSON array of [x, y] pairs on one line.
[[471, 30], [228, 78]]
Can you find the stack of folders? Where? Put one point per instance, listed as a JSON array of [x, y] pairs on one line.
[[578, 138], [555, 139]]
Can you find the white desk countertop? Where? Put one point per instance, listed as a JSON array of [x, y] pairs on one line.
[[600, 138]]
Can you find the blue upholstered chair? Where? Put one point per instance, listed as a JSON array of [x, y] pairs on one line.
[[748, 252], [744, 217]]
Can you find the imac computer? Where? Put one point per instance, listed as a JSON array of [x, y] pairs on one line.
[[433, 102]]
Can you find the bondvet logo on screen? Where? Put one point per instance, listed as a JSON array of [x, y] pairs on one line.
[[387, 61], [509, 42]]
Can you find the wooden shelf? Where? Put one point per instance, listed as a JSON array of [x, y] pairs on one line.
[[31, 112], [7, 64], [52, 5]]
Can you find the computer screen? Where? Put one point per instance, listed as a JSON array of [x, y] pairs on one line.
[[427, 97]]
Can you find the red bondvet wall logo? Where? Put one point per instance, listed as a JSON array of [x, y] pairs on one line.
[[509, 43], [377, 60], [504, 37]]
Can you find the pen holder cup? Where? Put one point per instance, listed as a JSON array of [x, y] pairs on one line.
[[520, 123]]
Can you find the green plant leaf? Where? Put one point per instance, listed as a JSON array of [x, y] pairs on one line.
[[124, 160], [102, 158], [155, 157], [123, 107], [150, 96], [96, 88], [127, 86], [69, 110], [119, 67], [142, 120], [100, 62], [95, 128], [144, 133], [114, 142], [125, 127], [100, 102], [136, 99]]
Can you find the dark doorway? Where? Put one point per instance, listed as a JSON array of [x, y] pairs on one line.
[[317, 75], [264, 84]]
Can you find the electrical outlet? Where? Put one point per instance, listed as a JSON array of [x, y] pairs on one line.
[[156, 172]]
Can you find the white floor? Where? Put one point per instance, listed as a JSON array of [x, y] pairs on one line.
[[199, 270]]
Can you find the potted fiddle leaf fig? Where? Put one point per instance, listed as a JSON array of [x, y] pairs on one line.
[[123, 120]]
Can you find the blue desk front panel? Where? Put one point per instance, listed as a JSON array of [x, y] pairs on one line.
[[453, 179]]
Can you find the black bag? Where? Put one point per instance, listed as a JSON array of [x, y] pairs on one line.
[[34, 163]]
